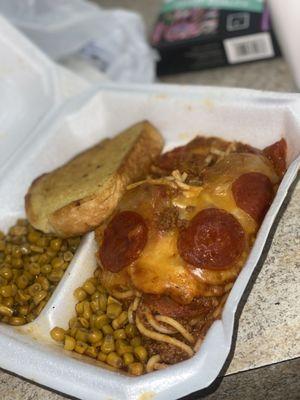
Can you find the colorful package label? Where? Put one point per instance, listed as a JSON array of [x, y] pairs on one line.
[[243, 5]]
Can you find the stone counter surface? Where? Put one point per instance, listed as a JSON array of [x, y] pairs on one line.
[[268, 331], [269, 326]]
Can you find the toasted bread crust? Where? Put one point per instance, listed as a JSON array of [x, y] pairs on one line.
[[84, 214], [28, 203]]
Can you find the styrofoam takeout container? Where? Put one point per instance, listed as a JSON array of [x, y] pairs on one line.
[[30, 86], [56, 131], [180, 113]]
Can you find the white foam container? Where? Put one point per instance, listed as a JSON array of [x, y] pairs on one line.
[[65, 127]]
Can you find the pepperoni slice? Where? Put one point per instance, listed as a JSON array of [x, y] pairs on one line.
[[276, 153], [164, 305], [253, 192], [124, 239], [214, 239]]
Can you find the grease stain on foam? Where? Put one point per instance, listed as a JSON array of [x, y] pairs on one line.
[[208, 104], [189, 136], [189, 107], [147, 396], [161, 96], [184, 136], [4, 70], [21, 60], [25, 330]]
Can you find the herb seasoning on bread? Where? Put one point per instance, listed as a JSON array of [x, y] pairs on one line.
[[78, 196]]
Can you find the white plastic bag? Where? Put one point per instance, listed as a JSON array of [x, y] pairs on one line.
[[113, 40]]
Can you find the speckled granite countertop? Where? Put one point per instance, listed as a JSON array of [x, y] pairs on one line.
[[269, 324]]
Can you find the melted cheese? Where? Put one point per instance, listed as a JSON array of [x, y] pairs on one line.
[[160, 269]]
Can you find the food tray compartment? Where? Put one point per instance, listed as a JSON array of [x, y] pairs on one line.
[[28, 81], [180, 113], [31, 85]]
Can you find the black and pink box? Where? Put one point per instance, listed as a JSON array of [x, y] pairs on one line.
[[190, 38]]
